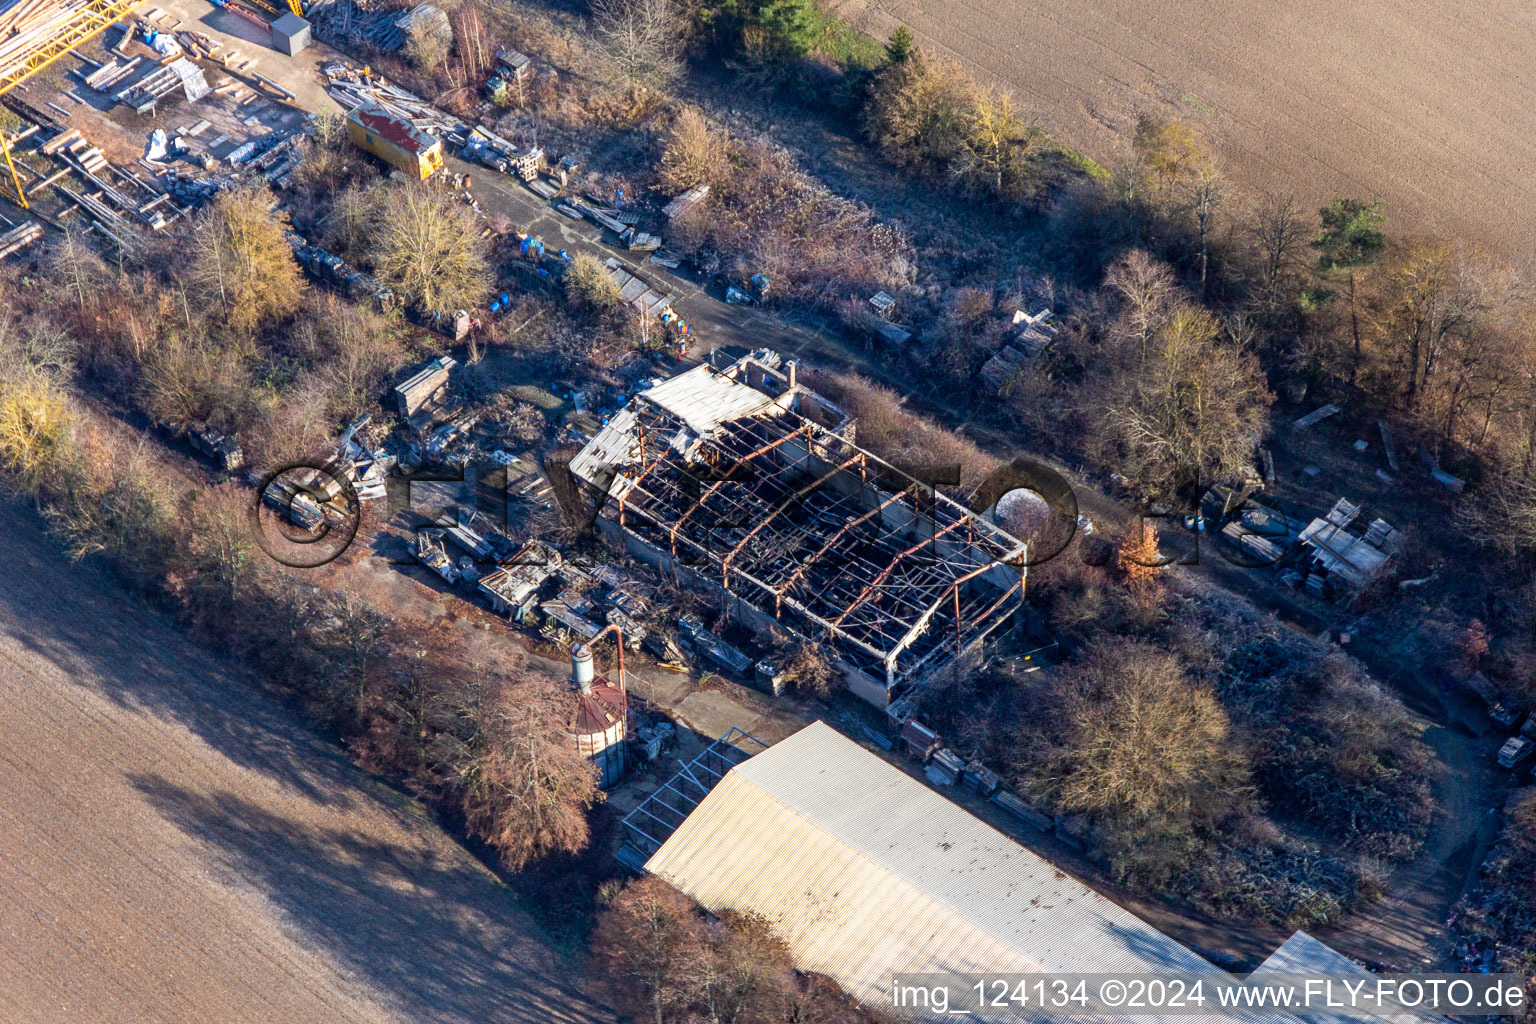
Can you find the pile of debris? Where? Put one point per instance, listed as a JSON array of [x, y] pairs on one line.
[[1340, 555], [486, 147], [1025, 350], [687, 201], [590, 598], [944, 767], [646, 300], [363, 463]]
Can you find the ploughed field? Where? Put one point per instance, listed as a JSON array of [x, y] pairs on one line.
[[177, 847], [1428, 106]]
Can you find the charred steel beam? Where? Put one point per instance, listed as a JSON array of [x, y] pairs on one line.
[[756, 453], [725, 563], [885, 573], [798, 573], [922, 623]]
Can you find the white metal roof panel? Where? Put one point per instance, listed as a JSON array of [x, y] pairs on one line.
[[1302, 954], [704, 399], [866, 872], [612, 448]]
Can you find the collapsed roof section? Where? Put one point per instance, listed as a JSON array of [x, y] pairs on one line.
[[751, 480]]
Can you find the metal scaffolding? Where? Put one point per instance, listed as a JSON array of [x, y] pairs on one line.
[[658, 816]]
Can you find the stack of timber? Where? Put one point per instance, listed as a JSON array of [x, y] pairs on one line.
[[35, 32], [105, 219], [19, 237], [110, 74], [199, 45]]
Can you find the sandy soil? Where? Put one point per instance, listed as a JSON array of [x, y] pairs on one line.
[[176, 847], [1429, 106]]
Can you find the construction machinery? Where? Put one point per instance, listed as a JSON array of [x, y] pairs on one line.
[[35, 33], [21, 194]]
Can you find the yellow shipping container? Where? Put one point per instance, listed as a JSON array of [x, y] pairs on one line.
[[395, 141]]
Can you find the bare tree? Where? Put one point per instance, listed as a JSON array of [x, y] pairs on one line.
[[429, 249], [426, 48], [76, 266], [640, 41], [241, 261], [649, 941], [1280, 236], [1502, 513], [190, 381], [351, 635], [693, 153], [1145, 752], [36, 426], [1423, 295], [471, 39], [1148, 294], [119, 507], [916, 114], [1205, 190], [526, 787], [1192, 413], [216, 568], [995, 145]]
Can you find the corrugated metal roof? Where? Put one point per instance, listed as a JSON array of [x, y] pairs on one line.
[[700, 398], [613, 447], [704, 399], [1302, 954], [866, 872]]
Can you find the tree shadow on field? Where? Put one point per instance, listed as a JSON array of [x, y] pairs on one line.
[[78, 616], [413, 923]]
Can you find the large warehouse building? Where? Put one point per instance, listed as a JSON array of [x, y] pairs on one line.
[[865, 873], [748, 481]]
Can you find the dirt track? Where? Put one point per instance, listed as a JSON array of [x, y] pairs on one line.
[[1429, 106], [177, 848]]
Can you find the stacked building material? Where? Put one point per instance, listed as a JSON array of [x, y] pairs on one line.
[[351, 88], [423, 20], [19, 237], [111, 73]]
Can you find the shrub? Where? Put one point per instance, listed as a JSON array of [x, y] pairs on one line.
[[590, 286], [692, 153], [1148, 755], [429, 249]]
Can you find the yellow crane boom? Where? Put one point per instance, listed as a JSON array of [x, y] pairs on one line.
[[81, 22], [21, 195]]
